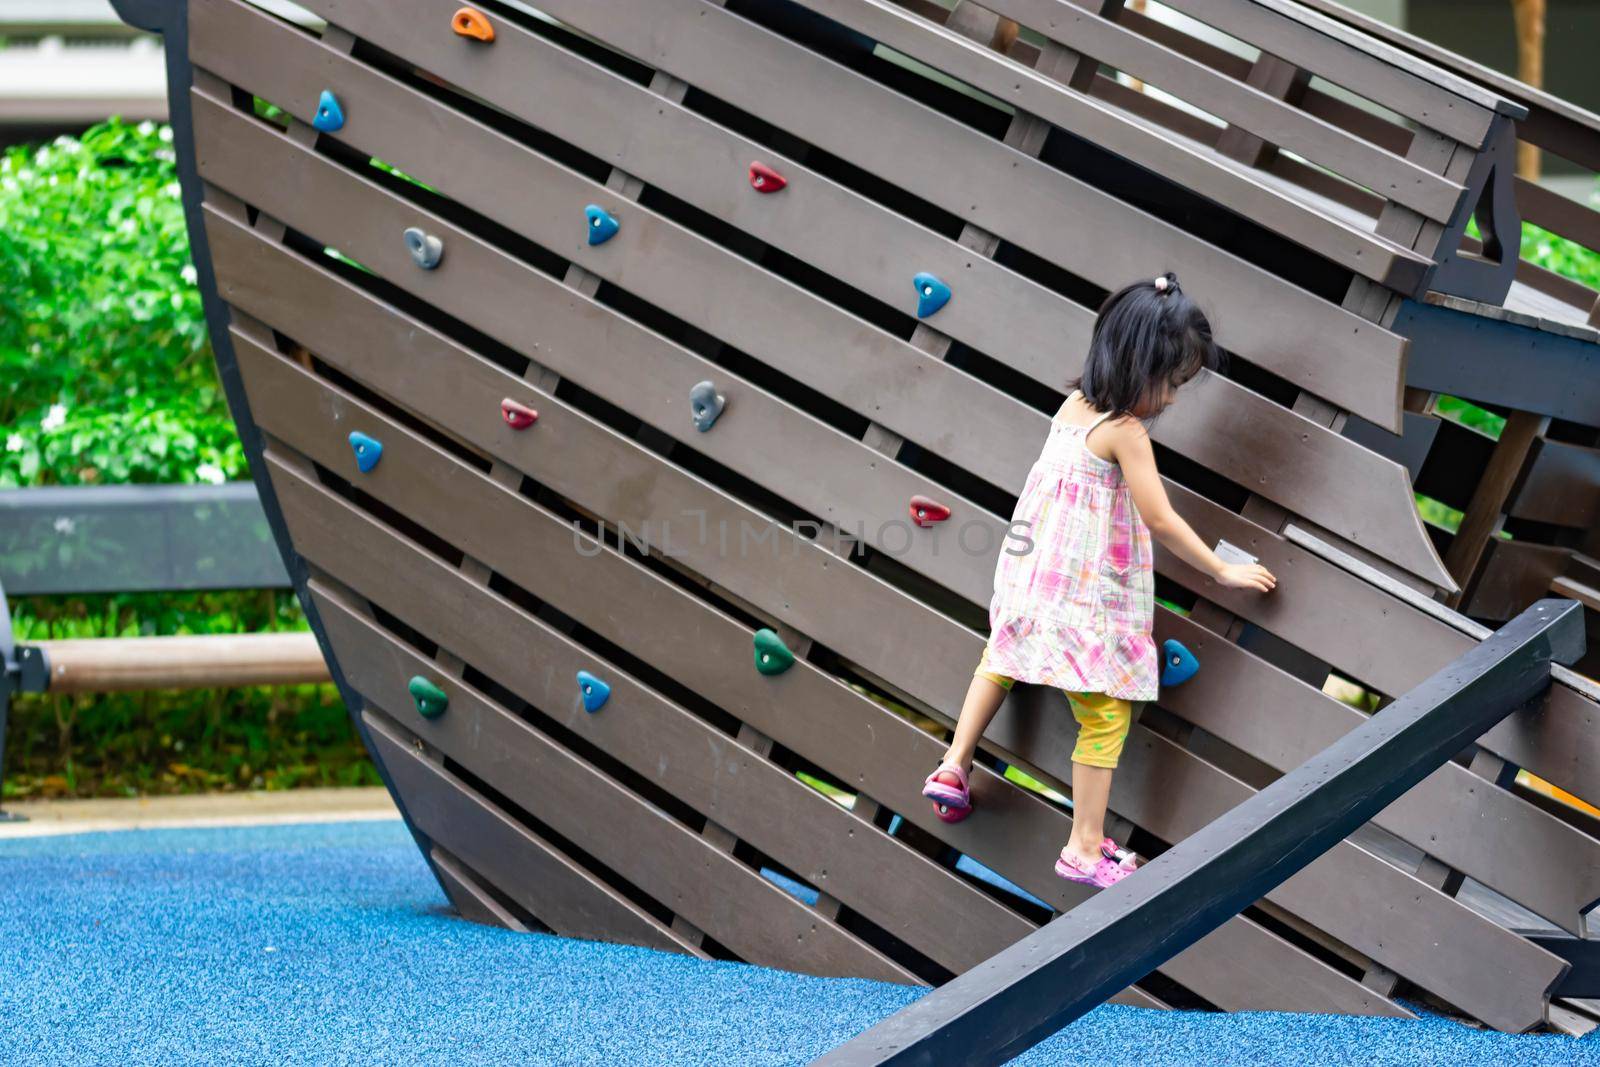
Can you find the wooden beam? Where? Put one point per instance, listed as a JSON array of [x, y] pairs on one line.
[[1034, 988]]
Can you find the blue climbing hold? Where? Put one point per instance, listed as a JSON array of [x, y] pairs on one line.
[[602, 225], [932, 294], [594, 691], [705, 404], [894, 825], [330, 116], [1178, 664], [368, 450]]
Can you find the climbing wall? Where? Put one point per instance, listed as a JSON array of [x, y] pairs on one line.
[[640, 392]]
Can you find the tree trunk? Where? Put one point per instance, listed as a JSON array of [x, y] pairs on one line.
[[1529, 15]]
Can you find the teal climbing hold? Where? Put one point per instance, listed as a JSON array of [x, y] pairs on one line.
[[429, 698], [368, 450], [426, 249], [330, 116], [602, 224], [772, 655], [594, 691], [932, 294], [705, 404], [1178, 664]]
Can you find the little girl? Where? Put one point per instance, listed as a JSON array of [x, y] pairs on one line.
[[1074, 608]]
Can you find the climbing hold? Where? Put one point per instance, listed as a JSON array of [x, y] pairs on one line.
[[1178, 664], [470, 23], [429, 698], [330, 116], [368, 450], [894, 825], [932, 294], [705, 404], [765, 179], [772, 655], [602, 225], [926, 512], [426, 249], [517, 416], [594, 691]]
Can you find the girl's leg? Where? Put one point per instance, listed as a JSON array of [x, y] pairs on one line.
[[984, 697], [1103, 724]]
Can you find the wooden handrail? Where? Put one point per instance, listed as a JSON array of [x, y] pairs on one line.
[[110, 664]]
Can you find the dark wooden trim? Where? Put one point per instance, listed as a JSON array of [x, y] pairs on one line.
[[1031, 990]]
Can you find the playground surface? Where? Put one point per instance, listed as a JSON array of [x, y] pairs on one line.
[[331, 942]]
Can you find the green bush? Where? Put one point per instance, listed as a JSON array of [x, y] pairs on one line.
[[106, 374]]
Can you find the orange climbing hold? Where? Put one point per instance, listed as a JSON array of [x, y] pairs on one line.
[[470, 23]]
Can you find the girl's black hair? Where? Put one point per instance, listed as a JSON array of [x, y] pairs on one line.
[[1145, 335]]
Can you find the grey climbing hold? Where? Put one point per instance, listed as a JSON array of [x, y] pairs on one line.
[[705, 404], [426, 249]]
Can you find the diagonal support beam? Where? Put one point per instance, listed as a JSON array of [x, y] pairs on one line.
[[1030, 990]]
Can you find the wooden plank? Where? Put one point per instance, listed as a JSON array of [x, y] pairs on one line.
[[1368, 633], [1562, 486], [1300, 464], [1485, 513], [1409, 88], [1515, 574], [858, 741], [471, 900], [1354, 911], [1355, 485], [753, 917], [1348, 245], [1015, 1000], [1233, 101], [520, 863], [1546, 865], [1332, 352], [925, 905]]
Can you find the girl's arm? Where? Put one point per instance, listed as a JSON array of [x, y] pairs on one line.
[[1130, 447]]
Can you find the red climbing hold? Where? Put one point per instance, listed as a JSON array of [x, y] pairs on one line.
[[470, 23], [926, 512], [517, 416], [765, 179]]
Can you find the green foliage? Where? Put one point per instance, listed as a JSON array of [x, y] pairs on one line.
[[105, 369], [1469, 414], [127, 744]]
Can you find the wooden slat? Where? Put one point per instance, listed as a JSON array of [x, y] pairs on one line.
[[472, 901], [1409, 88], [1485, 513], [871, 749], [524, 866], [1562, 486], [1546, 865], [939, 915], [1302, 465], [1335, 354], [1062, 972], [1324, 609], [753, 917], [1232, 101], [1350, 246], [1515, 574], [1436, 944]]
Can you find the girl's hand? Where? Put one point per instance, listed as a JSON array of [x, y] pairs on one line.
[[1246, 576]]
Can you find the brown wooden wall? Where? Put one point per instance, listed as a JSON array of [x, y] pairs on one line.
[[489, 560]]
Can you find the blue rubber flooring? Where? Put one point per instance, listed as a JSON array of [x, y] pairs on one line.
[[331, 944]]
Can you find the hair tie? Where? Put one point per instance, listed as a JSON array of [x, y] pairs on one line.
[[1161, 283]]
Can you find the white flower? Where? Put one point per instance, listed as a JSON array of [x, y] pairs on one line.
[[166, 134], [14, 443], [55, 418], [147, 127], [189, 273], [210, 472], [65, 525]]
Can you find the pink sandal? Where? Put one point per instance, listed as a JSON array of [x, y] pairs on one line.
[[1107, 872], [950, 803]]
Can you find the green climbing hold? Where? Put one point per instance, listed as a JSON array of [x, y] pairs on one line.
[[772, 655], [429, 698]]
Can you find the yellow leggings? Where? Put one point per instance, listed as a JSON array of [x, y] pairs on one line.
[[1103, 722]]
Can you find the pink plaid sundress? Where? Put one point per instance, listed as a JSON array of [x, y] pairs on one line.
[[1075, 610]]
